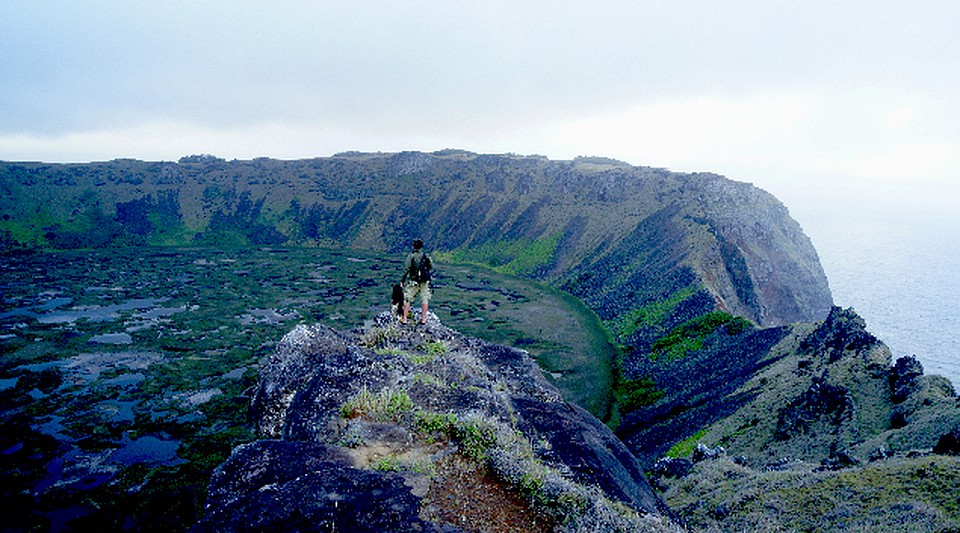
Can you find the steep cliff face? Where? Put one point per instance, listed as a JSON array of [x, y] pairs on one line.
[[392, 428], [803, 428], [617, 236], [771, 266], [804, 392]]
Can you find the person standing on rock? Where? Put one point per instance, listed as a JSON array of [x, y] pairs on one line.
[[417, 268]]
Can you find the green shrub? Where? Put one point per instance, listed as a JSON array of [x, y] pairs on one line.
[[475, 436], [431, 349], [432, 422], [389, 463], [428, 379], [392, 350], [435, 348], [379, 337], [635, 393]]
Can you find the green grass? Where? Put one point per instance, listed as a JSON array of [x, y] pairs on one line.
[[476, 437], [435, 348], [685, 447], [431, 422], [517, 257], [635, 393], [389, 463], [648, 315], [689, 336], [899, 494], [385, 406]]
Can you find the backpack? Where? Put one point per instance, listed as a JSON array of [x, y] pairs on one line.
[[421, 273]]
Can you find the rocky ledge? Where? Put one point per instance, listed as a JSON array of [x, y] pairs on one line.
[[395, 427]]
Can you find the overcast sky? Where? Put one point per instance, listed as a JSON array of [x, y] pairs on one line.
[[829, 105]]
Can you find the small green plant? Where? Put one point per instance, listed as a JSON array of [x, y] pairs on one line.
[[389, 463], [379, 337], [431, 351], [385, 406], [426, 468], [428, 379], [434, 423], [685, 447], [476, 436], [419, 359], [633, 394], [392, 350], [435, 348], [531, 482], [689, 336]]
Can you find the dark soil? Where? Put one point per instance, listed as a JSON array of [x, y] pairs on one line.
[[464, 494]]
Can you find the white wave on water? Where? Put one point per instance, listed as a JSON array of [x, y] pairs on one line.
[[905, 282]]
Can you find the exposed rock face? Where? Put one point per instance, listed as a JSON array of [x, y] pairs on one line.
[[841, 333], [832, 405], [771, 266], [949, 444], [905, 378], [296, 486], [367, 429], [824, 393]]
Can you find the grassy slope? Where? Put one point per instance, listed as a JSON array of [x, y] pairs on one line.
[[913, 491], [901, 494]]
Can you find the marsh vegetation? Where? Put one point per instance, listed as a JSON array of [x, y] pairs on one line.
[[125, 374]]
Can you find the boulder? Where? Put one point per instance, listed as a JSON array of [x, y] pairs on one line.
[[703, 452], [949, 444], [293, 486]]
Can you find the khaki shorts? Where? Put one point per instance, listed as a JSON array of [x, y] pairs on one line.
[[412, 289]]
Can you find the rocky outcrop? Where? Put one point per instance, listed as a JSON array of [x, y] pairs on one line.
[[296, 486], [821, 404], [812, 440], [827, 393], [843, 332], [949, 443], [905, 378], [381, 429]]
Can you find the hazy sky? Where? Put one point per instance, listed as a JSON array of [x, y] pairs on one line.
[[829, 105]]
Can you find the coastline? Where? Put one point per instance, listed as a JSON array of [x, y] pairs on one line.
[[904, 280]]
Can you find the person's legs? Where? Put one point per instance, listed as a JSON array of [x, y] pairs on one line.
[[409, 293], [424, 302]]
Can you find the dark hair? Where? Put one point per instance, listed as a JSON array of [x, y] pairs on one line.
[[417, 244]]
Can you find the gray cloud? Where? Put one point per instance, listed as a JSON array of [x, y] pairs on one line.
[[434, 69]]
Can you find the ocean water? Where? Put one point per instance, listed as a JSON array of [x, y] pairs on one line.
[[904, 280]]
